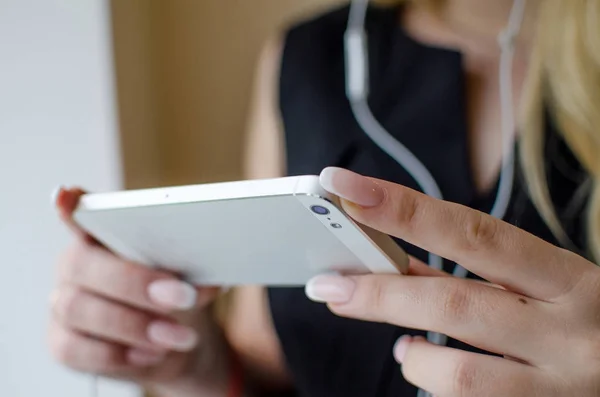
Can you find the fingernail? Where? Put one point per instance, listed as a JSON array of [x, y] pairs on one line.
[[351, 187], [55, 194], [144, 358], [173, 294], [330, 289], [401, 347], [172, 336]]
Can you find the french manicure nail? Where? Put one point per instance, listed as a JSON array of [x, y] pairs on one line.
[[143, 358], [173, 294], [172, 336], [401, 347], [352, 187], [330, 289]]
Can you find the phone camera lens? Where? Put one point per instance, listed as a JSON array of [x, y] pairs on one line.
[[319, 210], [336, 226]]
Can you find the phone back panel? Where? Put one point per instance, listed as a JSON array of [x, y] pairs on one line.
[[274, 240]]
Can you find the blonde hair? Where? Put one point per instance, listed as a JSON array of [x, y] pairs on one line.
[[564, 78]]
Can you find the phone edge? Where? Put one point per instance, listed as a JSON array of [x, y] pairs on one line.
[[199, 193]]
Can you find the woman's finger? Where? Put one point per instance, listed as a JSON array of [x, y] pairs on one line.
[[418, 268], [447, 372], [495, 250], [93, 268], [489, 318], [84, 353], [110, 321]]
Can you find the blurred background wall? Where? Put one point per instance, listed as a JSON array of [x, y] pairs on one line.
[[184, 71]]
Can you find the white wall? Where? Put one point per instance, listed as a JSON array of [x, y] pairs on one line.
[[57, 126]]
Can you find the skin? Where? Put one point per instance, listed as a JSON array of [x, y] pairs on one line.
[[543, 299], [541, 314]]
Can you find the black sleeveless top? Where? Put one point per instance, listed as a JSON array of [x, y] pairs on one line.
[[418, 94]]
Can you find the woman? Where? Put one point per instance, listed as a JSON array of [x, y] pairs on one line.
[[532, 330]]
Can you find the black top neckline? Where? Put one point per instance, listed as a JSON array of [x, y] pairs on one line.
[[392, 15], [560, 154]]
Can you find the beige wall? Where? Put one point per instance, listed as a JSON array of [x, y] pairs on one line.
[[184, 71]]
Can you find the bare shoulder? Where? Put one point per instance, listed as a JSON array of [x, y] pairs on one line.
[[264, 149]]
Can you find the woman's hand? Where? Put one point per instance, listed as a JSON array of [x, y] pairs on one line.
[[545, 320], [123, 320]]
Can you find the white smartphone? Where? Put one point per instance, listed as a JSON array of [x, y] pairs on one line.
[[275, 232]]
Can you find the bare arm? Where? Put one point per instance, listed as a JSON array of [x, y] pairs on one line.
[[248, 320], [264, 156]]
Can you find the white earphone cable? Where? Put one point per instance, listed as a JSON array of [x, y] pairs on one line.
[[357, 88], [357, 91]]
